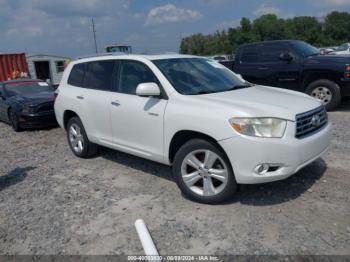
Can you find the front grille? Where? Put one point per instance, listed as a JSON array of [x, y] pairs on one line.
[[45, 107], [310, 122]]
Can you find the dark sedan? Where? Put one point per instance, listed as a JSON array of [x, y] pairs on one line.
[[27, 104]]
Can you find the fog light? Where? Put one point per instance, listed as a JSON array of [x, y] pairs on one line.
[[261, 169]]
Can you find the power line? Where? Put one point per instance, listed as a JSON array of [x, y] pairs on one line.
[[94, 32]]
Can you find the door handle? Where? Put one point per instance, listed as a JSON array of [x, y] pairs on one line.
[[263, 68], [80, 97], [115, 103]]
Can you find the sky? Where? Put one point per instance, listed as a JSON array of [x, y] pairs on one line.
[[63, 27]]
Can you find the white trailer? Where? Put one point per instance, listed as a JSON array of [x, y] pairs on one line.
[[47, 67]]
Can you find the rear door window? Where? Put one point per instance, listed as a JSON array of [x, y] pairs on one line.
[[76, 76], [99, 75], [271, 53]]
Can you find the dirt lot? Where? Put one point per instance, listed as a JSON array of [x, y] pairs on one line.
[[54, 203]]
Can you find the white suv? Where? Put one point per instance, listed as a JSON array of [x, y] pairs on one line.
[[215, 129]]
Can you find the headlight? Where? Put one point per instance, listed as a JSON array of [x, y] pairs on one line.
[[259, 127], [28, 110]]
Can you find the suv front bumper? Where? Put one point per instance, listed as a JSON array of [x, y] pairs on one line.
[[288, 153]]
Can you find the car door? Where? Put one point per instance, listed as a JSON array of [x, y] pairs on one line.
[[277, 72], [249, 65], [137, 122], [96, 92]]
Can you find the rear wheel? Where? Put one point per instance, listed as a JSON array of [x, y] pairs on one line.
[[78, 140], [327, 91], [14, 120], [203, 172]]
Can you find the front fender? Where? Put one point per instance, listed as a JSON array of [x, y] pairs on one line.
[[14, 105]]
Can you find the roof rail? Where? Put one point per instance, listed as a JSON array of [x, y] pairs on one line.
[[99, 54], [167, 53]]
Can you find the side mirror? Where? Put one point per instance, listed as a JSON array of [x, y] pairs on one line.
[[286, 56], [147, 89]]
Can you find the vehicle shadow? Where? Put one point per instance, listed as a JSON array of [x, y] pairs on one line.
[[258, 195], [13, 177], [284, 190], [46, 128], [140, 164], [344, 106]]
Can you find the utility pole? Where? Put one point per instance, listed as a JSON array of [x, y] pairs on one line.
[[94, 32]]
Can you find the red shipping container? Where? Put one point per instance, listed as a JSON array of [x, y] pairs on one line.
[[12, 63]]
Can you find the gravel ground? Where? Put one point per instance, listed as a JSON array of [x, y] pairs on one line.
[[54, 203]]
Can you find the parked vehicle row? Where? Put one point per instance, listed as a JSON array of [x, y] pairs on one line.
[[326, 50], [215, 129], [343, 49], [295, 65]]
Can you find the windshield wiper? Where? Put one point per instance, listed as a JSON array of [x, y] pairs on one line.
[[203, 92], [241, 86]]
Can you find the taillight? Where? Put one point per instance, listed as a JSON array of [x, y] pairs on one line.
[[347, 71], [55, 95]]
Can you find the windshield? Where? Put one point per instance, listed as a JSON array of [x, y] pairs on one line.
[[27, 88], [343, 47], [305, 49], [192, 76]]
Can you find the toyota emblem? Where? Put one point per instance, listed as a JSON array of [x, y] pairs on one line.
[[316, 121]]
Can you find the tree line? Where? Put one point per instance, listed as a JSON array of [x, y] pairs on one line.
[[331, 30]]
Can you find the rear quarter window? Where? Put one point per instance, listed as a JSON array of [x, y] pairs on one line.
[[76, 76], [271, 53], [99, 75]]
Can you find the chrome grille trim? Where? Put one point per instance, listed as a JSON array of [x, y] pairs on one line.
[[304, 123]]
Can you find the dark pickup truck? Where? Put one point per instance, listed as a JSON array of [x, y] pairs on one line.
[[295, 65]]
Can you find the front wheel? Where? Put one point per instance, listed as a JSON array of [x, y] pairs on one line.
[[203, 172], [327, 91], [14, 120]]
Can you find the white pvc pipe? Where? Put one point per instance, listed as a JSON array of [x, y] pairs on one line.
[[145, 238]]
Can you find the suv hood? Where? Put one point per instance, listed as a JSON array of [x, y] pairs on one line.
[[261, 101]]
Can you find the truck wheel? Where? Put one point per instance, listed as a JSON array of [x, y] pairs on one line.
[[327, 91], [203, 172], [78, 140]]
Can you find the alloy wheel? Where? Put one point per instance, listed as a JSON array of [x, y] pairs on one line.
[[322, 93], [76, 138], [204, 172]]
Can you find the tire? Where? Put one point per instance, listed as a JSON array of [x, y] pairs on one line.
[[326, 90], [78, 141], [203, 185], [14, 120]]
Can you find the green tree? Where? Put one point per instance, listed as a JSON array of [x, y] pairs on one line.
[[303, 28], [337, 27], [269, 27], [334, 30]]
